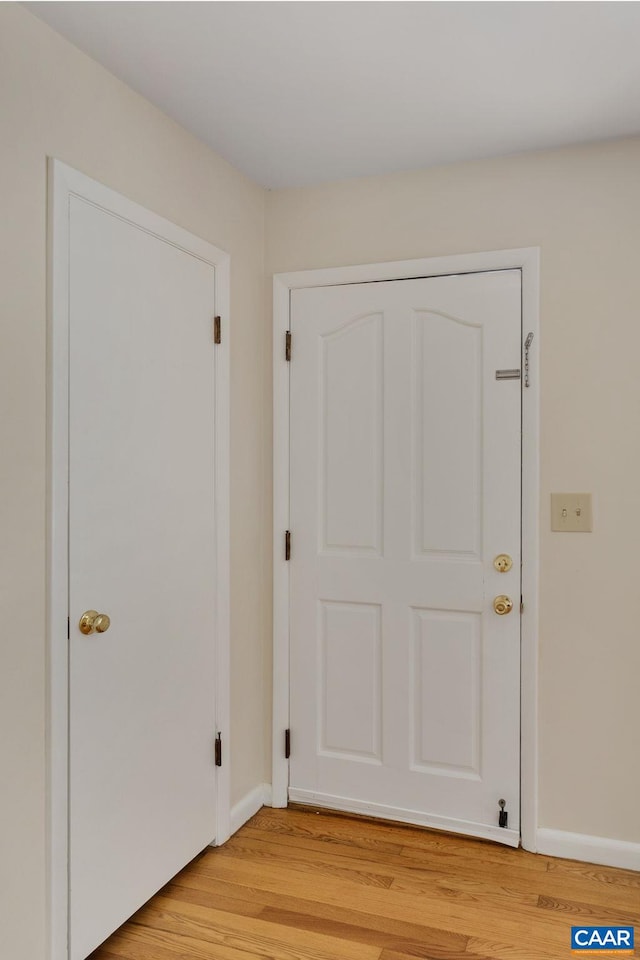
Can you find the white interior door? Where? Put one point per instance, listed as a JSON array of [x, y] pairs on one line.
[[142, 551], [405, 486]]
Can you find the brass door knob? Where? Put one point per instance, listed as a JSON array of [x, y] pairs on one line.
[[502, 605], [93, 622]]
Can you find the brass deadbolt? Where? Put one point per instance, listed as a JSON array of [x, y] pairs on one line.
[[503, 563], [93, 622], [502, 605]]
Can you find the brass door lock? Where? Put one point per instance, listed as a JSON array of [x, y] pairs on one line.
[[503, 563]]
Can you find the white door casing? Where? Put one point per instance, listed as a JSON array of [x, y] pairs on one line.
[[366, 623], [139, 436]]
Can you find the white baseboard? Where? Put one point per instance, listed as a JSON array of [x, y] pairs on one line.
[[249, 805], [579, 846]]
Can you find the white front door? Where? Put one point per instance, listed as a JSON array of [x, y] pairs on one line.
[[142, 551], [405, 487]]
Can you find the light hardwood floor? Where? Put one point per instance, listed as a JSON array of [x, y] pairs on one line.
[[299, 885]]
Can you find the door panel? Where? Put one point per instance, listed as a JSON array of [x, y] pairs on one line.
[[141, 540], [350, 672], [446, 716], [448, 366], [351, 454], [405, 484]]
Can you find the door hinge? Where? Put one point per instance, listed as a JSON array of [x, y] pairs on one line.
[[219, 750], [217, 330], [287, 345], [503, 816], [287, 744], [287, 545]]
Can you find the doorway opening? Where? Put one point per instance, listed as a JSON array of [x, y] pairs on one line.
[[318, 284]]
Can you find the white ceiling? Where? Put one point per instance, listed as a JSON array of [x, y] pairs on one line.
[[297, 93]]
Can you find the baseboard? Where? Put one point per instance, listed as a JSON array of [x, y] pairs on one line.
[[579, 846], [249, 805]]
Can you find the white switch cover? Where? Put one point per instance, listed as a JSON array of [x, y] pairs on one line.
[[571, 512]]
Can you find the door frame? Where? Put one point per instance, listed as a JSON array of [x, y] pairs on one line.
[[527, 260], [63, 183]]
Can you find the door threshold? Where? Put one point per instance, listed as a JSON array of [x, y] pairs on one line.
[[344, 806]]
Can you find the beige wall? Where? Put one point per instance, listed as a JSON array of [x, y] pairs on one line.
[[582, 207], [55, 101]]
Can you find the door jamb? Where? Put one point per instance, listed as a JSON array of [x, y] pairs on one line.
[[527, 260], [65, 182]]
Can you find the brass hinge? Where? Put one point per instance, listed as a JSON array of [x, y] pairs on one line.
[[217, 330], [219, 750], [287, 545], [287, 744], [287, 345]]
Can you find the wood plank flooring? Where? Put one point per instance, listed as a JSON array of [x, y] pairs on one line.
[[302, 885]]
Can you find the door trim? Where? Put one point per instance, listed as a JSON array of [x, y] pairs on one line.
[[65, 182], [527, 260]]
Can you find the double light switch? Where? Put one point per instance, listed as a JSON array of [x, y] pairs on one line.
[[571, 512]]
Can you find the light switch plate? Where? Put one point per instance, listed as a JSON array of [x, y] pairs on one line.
[[571, 512]]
